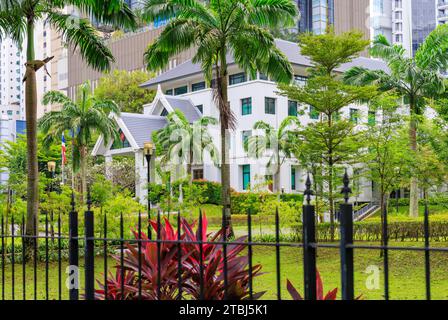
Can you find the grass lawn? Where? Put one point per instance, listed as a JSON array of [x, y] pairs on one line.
[[406, 273], [404, 210]]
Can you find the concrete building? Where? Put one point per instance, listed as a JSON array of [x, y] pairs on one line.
[[184, 88]]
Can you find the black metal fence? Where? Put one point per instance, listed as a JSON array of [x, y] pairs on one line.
[[81, 250]]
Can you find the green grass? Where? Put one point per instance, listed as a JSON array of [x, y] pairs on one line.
[[407, 280], [404, 210]]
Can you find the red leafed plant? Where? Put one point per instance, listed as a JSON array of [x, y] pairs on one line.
[[149, 269], [331, 295], [211, 265]]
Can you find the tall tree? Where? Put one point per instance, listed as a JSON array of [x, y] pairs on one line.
[[184, 142], [84, 117], [332, 138], [218, 28], [123, 87], [413, 78], [280, 142], [18, 19]]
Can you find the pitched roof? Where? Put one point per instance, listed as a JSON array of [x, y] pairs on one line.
[[141, 126], [184, 105], [290, 49]]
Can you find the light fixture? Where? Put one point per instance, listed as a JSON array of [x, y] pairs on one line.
[[148, 148], [51, 166]]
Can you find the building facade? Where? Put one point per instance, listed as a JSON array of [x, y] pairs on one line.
[[251, 100]]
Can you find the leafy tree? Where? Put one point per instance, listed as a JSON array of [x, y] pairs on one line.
[[18, 19], [123, 87], [184, 142], [387, 162], [218, 28], [83, 118], [331, 138], [280, 142], [413, 78]]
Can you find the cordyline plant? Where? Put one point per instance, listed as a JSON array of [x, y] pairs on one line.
[[330, 295], [194, 270]]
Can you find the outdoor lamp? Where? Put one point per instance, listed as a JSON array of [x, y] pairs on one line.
[[148, 148], [51, 166]]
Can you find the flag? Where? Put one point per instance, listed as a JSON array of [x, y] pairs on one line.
[[63, 150]]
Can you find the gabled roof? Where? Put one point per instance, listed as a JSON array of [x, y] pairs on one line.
[[141, 126], [171, 103], [290, 49]]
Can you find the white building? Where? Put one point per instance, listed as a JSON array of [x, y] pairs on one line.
[[250, 99]]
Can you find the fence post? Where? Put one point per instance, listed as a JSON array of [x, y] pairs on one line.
[[73, 282], [89, 275], [346, 230], [309, 237]]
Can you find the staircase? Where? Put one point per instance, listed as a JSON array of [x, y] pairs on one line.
[[366, 212]]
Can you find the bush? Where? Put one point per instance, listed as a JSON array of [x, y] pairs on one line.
[[399, 229], [433, 201]]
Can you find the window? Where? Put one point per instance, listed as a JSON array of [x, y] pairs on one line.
[[180, 90], [293, 178], [200, 108], [246, 176], [122, 142], [269, 105], [292, 108], [263, 77], [164, 113], [198, 86], [169, 92], [246, 106], [198, 174], [354, 115], [300, 80], [371, 118], [237, 78], [245, 136], [314, 114]]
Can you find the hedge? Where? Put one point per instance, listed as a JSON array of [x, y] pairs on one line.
[[241, 201], [399, 229], [402, 202]]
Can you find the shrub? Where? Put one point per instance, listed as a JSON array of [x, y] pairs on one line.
[[399, 229], [331, 295], [212, 267]]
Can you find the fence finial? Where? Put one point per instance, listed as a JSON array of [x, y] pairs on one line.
[[346, 190], [308, 192]]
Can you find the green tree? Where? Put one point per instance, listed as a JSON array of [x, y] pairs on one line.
[[218, 28], [281, 142], [123, 87], [413, 78], [332, 138], [184, 142], [84, 117], [18, 19]]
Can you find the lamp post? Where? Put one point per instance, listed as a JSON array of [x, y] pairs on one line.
[[51, 165], [148, 149]]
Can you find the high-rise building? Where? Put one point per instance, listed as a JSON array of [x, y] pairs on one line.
[[316, 15]]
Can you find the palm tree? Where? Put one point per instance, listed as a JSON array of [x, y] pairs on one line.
[[84, 118], [186, 141], [18, 19], [415, 79], [281, 142], [218, 28]]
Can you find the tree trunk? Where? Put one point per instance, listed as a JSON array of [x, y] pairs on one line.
[[31, 136], [414, 193], [83, 152], [225, 145]]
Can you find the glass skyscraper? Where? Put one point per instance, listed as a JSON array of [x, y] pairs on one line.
[[423, 21], [315, 15]]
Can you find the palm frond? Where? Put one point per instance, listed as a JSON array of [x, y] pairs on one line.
[[433, 53], [92, 47]]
